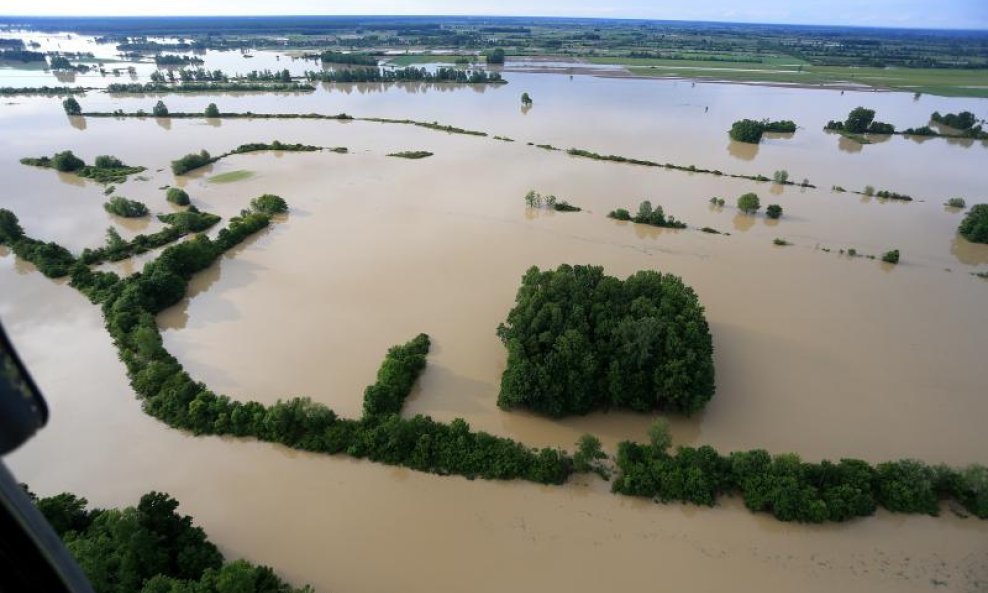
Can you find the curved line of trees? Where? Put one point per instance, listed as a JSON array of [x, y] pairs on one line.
[[783, 485]]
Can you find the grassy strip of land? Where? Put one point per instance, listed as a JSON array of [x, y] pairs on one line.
[[934, 81], [410, 59]]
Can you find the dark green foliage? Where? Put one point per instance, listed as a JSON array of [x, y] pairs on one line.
[[750, 131], [495, 57], [51, 259], [191, 161], [920, 131], [891, 195], [656, 217], [71, 106], [411, 154], [589, 457], [956, 203], [395, 378], [878, 127], [974, 227], [858, 120], [564, 206], [780, 242], [958, 121], [66, 162], [891, 257], [150, 548], [206, 87], [773, 211], [212, 110], [749, 203], [356, 59], [795, 490], [121, 206], [578, 340], [10, 227], [189, 221], [269, 204], [160, 110], [107, 169], [619, 214], [526, 99], [177, 196]]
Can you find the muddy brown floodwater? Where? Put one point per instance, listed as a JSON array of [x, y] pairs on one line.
[[817, 353]]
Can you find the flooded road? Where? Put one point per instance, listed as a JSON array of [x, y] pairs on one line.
[[816, 353]]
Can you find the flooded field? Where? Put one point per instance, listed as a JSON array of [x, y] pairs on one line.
[[816, 353]]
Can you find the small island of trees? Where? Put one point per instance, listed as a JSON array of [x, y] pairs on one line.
[[533, 199], [579, 341], [647, 214], [860, 121], [177, 196], [749, 203], [105, 169], [125, 208], [750, 131], [974, 227]]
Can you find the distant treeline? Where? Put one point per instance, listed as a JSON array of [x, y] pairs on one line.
[[207, 87], [409, 74], [42, 90]]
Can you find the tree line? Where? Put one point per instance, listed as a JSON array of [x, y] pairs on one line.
[[409, 74], [792, 489], [647, 214], [751, 131]]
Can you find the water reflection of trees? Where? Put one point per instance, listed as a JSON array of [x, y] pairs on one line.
[[742, 150], [743, 222], [164, 122], [966, 252], [78, 122]]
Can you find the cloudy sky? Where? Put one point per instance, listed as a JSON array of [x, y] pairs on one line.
[[964, 14]]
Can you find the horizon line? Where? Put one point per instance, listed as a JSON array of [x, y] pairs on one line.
[[491, 16]]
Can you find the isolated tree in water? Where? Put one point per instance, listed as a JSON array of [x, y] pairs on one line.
[[71, 106], [525, 99], [160, 110], [212, 110]]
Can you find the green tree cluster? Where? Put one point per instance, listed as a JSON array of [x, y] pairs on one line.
[[647, 214], [749, 203], [578, 340], [150, 548], [269, 204], [160, 110], [859, 121], [105, 169], [212, 110], [751, 131], [125, 208], [974, 227], [959, 121], [177, 196], [774, 211]]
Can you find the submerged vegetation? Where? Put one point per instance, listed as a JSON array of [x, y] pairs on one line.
[[648, 215], [534, 199], [409, 74], [106, 169], [194, 160], [572, 332], [125, 208], [150, 548], [411, 154], [974, 227]]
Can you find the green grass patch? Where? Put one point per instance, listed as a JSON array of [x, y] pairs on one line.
[[430, 59], [231, 176]]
